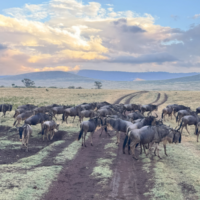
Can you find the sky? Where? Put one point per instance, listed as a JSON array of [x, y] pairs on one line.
[[112, 35]]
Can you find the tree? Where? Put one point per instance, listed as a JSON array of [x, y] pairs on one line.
[[98, 84], [27, 82], [13, 85]]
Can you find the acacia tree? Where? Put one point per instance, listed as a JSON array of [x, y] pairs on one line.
[[98, 84], [27, 82]]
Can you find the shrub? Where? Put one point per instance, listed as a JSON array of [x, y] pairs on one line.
[[71, 87]]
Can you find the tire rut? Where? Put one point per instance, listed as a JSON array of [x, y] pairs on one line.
[[134, 95], [123, 97], [157, 99], [164, 100]]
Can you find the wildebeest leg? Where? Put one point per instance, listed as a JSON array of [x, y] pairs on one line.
[[52, 134], [149, 148], [164, 145], [117, 137], [84, 138], [73, 119], [158, 150], [91, 134], [149, 113], [187, 129], [140, 148], [132, 146], [197, 137], [66, 119]]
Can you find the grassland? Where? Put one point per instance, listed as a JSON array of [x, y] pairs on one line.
[[175, 177]]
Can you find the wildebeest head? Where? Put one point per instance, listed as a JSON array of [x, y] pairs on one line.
[[151, 120]]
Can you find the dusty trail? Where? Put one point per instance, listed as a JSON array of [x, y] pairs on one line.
[[134, 95], [123, 97], [75, 180], [157, 99], [164, 100]]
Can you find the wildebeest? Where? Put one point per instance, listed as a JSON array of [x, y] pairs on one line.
[[198, 110], [86, 113], [39, 118], [135, 115], [179, 107], [88, 106], [27, 107], [167, 111], [24, 133], [182, 113], [88, 126], [173, 137], [103, 112], [145, 135], [189, 120], [59, 110], [42, 109], [5, 107], [22, 116], [73, 112], [148, 108], [101, 104], [131, 107], [48, 129]]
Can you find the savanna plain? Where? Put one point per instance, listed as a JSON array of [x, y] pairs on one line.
[[63, 169]]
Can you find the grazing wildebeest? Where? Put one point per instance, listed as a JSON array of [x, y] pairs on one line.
[[5, 107], [88, 126], [39, 118], [167, 111], [148, 108], [173, 137], [24, 133], [135, 115], [189, 120], [48, 129], [145, 135], [42, 109], [182, 113], [73, 112], [86, 113], [23, 116], [179, 107], [19, 111], [59, 110]]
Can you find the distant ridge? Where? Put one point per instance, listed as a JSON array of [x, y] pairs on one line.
[[131, 76]]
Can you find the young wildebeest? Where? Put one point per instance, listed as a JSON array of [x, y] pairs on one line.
[[189, 120], [148, 108], [5, 107], [24, 134], [49, 127], [86, 113], [39, 118], [145, 135], [167, 111], [88, 126], [73, 112], [182, 113], [23, 116]]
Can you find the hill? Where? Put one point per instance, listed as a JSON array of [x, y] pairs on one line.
[[131, 76], [66, 79]]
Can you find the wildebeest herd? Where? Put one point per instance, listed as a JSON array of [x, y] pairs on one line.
[[130, 119]]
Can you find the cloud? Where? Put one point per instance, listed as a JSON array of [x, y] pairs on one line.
[[59, 34], [196, 16]]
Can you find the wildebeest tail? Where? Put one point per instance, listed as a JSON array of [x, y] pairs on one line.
[[180, 126], [197, 131], [125, 141], [177, 118], [14, 122], [162, 114], [80, 134], [180, 138], [106, 129], [63, 117]]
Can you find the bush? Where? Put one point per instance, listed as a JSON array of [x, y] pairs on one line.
[[52, 87], [79, 88], [71, 87]]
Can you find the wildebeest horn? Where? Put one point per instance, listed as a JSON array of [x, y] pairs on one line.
[[156, 115]]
